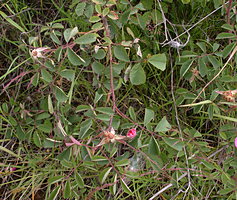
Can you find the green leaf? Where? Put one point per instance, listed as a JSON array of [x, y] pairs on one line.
[[67, 190], [69, 74], [81, 108], [217, 3], [98, 68], [103, 117], [153, 147], [121, 54], [202, 46], [98, 9], [74, 58], [137, 75], [58, 53], [87, 38], [35, 79], [85, 126], [132, 113], [226, 191], [46, 75], [69, 33], [58, 25], [11, 21], [64, 157], [5, 107], [55, 179], [79, 180], [225, 35], [51, 143], [215, 63], [60, 95], [100, 54], [80, 8], [124, 16], [215, 46], [149, 115], [45, 127], [125, 187], [94, 19], [210, 111], [228, 27], [159, 61], [105, 11], [203, 70], [20, 133], [163, 125], [89, 10], [37, 139], [228, 49], [185, 67], [122, 163], [104, 174], [50, 105], [55, 38], [185, 1], [174, 143], [53, 195], [43, 115], [208, 165], [98, 158], [114, 187], [105, 110]]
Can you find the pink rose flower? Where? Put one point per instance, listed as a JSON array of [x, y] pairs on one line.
[[132, 133], [236, 142]]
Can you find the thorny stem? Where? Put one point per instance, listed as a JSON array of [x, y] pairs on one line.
[[107, 32]]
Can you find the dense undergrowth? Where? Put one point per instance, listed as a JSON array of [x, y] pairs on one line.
[[77, 77]]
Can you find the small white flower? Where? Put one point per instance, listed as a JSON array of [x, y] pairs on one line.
[[37, 53]]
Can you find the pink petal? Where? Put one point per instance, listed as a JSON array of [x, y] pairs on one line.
[[75, 141], [12, 169], [132, 133], [236, 142], [69, 144], [219, 92]]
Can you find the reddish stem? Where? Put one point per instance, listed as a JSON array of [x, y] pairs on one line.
[[107, 31]]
